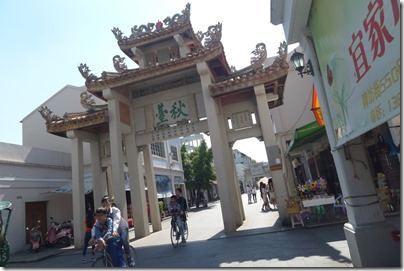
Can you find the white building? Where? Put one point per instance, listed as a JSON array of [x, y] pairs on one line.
[[249, 172], [294, 113], [28, 175]]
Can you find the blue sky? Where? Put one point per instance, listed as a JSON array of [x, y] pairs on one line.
[[43, 42]]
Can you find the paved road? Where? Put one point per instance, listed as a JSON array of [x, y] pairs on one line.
[[260, 242]]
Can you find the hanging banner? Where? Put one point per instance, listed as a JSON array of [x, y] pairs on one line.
[[316, 108], [359, 58]]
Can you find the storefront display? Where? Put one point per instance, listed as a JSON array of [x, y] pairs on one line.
[[385, 166]]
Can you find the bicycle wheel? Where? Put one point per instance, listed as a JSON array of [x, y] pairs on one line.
[[173, 235], [133, 255], [102, 262], [186, 230]]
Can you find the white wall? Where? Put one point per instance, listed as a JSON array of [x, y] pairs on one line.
[[297, 98], [33, 125]]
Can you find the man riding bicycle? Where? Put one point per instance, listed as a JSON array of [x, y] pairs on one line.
[[175, 209], [103, 229], [183, 203]]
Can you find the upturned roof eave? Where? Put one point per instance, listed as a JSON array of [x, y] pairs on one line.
[[247, 80], [155, 36], [79, 121], [139, 75]]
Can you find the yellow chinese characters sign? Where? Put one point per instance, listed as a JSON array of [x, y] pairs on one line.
[[358, 48]]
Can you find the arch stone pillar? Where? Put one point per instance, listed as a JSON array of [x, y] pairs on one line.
[[96, 172], [238, 198], [77, 189], [151, 189], [232, 217], [137, 188], [273, 151], [103, 185], [115, 137]]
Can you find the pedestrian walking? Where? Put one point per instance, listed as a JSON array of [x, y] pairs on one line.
[[264, 194], [254, 194], [89, 222], [248, 188]]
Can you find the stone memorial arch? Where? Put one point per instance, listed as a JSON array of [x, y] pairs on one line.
[[183, 85]]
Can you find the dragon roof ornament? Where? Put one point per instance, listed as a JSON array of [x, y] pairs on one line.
[[85, 72], [85, 100], [282, 54], [118, 34], [260, 54], [138, 31], [119, 64], [256, 71], [210, 37], [89, 103], [48, 115]]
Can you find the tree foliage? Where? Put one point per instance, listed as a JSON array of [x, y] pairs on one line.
[[198, 167], [186, 164]]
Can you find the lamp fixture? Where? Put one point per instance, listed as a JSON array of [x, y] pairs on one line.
[[298, 63]]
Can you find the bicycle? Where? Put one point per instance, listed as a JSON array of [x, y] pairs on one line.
[[133, 255], [175, 232], [105, 259]]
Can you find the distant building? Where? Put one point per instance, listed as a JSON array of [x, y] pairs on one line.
[[249, 172]]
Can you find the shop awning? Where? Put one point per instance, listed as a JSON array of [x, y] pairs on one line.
[[163, 186], [67, 188], [178, 180], [306, 134]]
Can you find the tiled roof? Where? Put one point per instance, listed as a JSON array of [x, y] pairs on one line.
[[249, 79], [78, 121], [137, 75]]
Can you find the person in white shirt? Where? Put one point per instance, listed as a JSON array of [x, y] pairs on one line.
[[248, 188], [254, 194]]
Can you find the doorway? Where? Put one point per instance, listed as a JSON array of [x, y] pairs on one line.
[[35, 211]]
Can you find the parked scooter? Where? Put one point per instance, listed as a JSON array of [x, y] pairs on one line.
[[58, 235], [35, 237]]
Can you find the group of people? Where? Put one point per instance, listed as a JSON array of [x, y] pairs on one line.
[[107, 229], [251, 192], [267, 194]]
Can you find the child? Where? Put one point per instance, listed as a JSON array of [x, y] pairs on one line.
[[102, 235]]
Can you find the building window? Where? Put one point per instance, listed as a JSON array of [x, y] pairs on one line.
[[174, 153], [158, 149]]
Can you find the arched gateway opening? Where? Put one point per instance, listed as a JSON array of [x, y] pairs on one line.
[[183, 86]]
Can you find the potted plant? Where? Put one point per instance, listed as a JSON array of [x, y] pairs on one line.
[[161, 208]]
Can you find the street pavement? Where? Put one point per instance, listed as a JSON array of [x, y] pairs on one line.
[[260, 242]]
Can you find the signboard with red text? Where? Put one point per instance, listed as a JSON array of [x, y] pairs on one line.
[[358, 48]]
